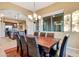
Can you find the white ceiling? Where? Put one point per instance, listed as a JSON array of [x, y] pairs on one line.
[[30, 5], [13, 14]]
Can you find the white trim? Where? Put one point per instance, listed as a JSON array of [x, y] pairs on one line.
[[53, 13], [73, 48], [72, 52]]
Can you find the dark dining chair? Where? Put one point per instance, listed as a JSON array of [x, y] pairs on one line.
[[18, 41], [42, 34], [62, 49], [25, 32], [50, 35], [19, 45], [33, 48], [24, 46], [14, 35], [36, 34], [22, 33]]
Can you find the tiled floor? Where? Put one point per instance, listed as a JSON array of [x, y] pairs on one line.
[[6, 43]]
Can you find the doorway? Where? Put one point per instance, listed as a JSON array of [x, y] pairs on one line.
[[8, 28]]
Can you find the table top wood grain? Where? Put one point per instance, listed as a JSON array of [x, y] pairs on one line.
[[47, 42]]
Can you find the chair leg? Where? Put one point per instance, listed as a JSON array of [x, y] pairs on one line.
[[21, 51], [17, 48], [57, 46], [27, 51]]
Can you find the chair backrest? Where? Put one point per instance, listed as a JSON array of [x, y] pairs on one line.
[[18, 39], [23, 42], [25, 32], [50, 35], [23, 45], [22, 33], [63, 47], [33, 48], [42, 34], [36, 33], [16, 35]]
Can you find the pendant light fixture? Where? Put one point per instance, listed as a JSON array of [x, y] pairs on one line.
[[34, 17]]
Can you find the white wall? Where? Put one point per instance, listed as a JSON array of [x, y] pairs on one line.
[[2, 29], [73, 40], [73, 45], [41, 25], [30, 26]]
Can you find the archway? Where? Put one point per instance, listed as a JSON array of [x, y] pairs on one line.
[[12, 17]]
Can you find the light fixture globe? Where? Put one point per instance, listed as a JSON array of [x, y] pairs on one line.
[[30, 17], [1, 15], [39, 17], [34, 15]]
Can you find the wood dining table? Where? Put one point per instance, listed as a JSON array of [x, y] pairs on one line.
[[47, 43]]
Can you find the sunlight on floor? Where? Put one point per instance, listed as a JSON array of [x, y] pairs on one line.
[[6, 43]]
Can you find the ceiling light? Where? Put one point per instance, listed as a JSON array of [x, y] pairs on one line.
[[30, 17], [39, 17], [34, 17], [1, 15]]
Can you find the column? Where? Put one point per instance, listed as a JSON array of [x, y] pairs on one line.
[[41, 25], [30, 26], [2, 29], [18, 26]]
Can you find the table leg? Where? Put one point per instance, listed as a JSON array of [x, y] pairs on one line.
[[46, 50], [57, 46]]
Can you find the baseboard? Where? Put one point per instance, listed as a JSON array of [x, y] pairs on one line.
[[72, 51]]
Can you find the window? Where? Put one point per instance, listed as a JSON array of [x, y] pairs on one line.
[[71, 22], [75, 21], [53, 23], [47, 23]]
